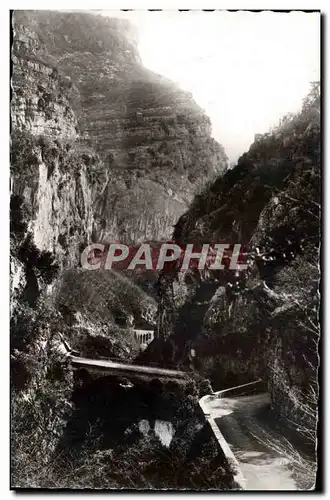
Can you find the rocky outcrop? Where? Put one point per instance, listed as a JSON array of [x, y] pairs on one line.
[[57, 182], [40, 100], [102, 148], [80, 73], [262, 322]]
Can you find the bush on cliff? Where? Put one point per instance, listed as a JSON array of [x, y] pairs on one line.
[[41, 379], [106, 448]]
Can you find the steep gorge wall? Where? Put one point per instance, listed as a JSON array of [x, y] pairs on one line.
[[262, 322], [102, 149], [40, 102], [48, 165], [78, 78]]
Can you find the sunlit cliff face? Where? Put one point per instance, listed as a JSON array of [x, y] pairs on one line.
[[245, 69]]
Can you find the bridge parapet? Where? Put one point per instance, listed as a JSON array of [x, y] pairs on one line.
[[127, 370], [144, 337]]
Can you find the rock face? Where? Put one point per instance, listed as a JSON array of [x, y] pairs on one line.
[[79, 76], [40, 102], [262, 322], [102, 149], [55, 181]]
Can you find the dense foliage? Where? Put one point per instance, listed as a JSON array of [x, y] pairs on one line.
[[41, 379], [105, 446]]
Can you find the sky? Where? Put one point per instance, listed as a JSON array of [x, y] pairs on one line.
[[245, 69]]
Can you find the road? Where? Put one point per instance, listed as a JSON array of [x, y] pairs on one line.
[[125, 368], [257, 447]]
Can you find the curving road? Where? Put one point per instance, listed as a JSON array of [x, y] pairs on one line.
[[244, 422]]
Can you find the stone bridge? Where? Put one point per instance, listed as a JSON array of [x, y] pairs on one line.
[[144, 337], [118, 368], [125, 370]]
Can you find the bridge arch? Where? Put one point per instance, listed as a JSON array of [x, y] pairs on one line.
[[144, 337]]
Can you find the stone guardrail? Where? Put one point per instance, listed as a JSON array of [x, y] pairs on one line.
[[241, 390]]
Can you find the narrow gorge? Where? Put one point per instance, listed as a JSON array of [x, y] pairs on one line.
[[104, 150]]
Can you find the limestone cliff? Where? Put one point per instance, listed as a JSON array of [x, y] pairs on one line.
[[50, 170], [79, 76], [40, 100], [102, 149]]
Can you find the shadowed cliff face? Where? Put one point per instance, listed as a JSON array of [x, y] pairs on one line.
[[262, 322], [80, 76]]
